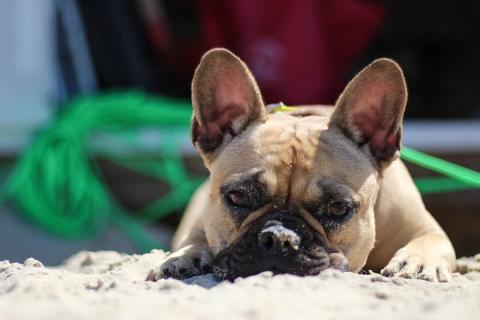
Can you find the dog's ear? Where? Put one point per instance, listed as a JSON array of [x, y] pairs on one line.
[[370, 109], [225, 99]]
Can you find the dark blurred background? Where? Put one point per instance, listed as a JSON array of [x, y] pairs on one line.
[[300, 51]]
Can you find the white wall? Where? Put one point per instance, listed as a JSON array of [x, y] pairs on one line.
[[27, 65]]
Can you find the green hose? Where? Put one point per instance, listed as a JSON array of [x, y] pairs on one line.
[[457, 177], [57, 185]]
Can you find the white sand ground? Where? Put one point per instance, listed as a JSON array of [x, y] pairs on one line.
[[109, 285]]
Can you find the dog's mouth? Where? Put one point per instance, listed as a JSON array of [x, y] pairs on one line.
[[281, 244]]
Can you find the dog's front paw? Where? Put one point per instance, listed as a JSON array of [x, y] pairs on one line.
[[413, 265], [185, 263]]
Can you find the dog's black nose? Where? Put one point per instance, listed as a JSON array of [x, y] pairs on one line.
[[277, 238]]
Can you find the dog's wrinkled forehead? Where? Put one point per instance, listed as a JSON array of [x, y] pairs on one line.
[[289, 151]]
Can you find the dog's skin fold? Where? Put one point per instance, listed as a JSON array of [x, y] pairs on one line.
[[301, 191]]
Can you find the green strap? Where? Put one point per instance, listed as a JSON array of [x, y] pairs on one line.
[[458, 177], [440, 185], [283, 108]]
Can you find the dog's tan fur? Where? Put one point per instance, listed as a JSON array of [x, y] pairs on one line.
[[392, 231]]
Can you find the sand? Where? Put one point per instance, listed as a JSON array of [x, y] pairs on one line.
[[110, 285]]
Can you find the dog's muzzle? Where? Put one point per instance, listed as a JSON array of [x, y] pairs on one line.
[[281, 243]]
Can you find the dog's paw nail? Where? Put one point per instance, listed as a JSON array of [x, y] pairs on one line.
[[152, 276], [428, 273], [405, 275], [390, 270], [443, 275], [426, 277], [386, 273]]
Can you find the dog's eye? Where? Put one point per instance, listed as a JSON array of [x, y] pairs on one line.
[[340, 209], [238, 198], [243, 197]]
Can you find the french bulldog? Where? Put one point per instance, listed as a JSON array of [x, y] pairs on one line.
[[300, 191]]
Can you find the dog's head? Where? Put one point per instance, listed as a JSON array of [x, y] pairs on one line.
[[293, 192]]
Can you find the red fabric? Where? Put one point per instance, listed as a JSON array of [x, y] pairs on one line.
[[299, 51]]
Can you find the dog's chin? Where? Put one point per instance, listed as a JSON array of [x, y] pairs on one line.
[[243, 260]]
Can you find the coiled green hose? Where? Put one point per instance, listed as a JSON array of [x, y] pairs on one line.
[[57, 185]]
